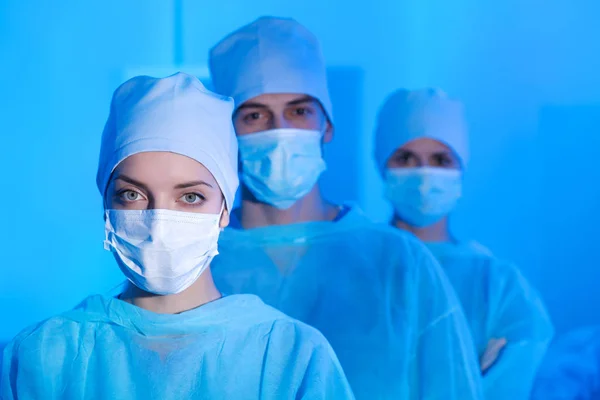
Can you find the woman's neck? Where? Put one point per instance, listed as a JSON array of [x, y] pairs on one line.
[[311, 207], [199, 293], [437, 232]]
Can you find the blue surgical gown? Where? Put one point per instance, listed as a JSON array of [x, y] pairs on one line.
[[377, 295], [233, 348], [571, 368], [498, 303]]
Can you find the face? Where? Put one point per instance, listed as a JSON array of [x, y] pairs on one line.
[[162, 180], [424, 153], [280, 111]]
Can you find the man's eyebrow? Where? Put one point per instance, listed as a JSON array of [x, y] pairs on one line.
[[250, 104], [303, 99], [247, 105]]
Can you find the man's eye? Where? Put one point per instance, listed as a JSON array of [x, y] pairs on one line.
[[303, 111], [252, 116]]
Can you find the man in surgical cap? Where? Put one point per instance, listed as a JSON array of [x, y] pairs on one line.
[[376, 293], [421, 150]]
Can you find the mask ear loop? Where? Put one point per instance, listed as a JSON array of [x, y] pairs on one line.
[[221, 215]]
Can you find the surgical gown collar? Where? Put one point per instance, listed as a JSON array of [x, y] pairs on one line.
[[111, 310], [299, 232], [457, 249]]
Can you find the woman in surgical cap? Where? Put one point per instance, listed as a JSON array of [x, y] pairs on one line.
[[168, 174], [421, 150]]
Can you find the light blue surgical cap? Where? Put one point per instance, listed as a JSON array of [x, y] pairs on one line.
[[174, 114], [425, 113], [270, 55]]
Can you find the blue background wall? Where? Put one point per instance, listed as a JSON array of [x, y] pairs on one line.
[[527, 71]]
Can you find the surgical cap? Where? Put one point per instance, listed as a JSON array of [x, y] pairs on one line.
[[174, 114], [426, 113], [270, 55]]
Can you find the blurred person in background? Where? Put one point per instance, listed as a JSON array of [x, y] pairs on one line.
[[421, 149]]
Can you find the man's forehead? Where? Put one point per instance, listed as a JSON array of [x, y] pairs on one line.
[[277, 100]]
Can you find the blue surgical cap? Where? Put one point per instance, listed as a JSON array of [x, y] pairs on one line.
[[425, 113], [270, 55], [174, 114]]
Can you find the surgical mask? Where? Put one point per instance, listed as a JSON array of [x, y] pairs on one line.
[[162, 251], [280, 166], [423, 196]]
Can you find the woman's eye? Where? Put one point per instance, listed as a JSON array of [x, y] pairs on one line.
[[443, 161], [130, 195], [192, 198], [405, 158]]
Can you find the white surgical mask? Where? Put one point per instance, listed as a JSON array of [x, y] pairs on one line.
[[280, 166], [162, 251], [423, 196]]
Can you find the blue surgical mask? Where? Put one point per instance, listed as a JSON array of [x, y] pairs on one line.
[[423, 196], [280, 166]]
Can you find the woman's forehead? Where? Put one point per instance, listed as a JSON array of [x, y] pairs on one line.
[[425, 145], [162, 166]]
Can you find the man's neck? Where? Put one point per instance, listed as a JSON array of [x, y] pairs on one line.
[[437, 232], [311, 207], [199, 293]]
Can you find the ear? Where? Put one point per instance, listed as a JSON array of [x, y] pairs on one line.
[[328, 136], [224, 219]]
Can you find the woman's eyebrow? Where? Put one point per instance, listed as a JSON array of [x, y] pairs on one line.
[[132, 181], [192, 183]]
